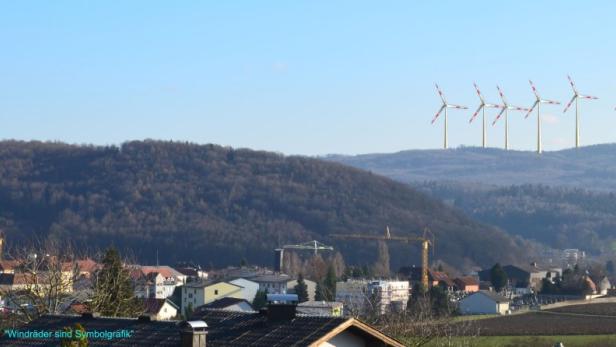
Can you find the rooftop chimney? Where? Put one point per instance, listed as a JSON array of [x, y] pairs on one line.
[[281, 307], [193, 333]]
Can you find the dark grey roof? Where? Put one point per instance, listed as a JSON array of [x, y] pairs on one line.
[[145, 332], [253, 329], [225, 329], [222, 303]]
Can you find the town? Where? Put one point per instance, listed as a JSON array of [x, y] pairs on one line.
[[319, 293]]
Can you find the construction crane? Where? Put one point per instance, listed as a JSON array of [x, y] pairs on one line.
[[313, 245], [426, 242]]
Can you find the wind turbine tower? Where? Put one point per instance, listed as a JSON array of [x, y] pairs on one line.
[[444, 107], [575, 98], [537, 104], [505, 109], [482, 107]]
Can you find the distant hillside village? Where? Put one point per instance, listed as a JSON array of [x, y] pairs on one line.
[[243, 305]]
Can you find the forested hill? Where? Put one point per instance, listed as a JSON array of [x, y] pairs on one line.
[[217, 205], [591, 167], [560, 217]]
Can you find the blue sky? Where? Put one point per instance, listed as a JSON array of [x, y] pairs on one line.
[[300, 77]]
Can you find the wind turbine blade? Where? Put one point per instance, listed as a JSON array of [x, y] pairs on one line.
[[570, 102], [478, 93], [534, 89], [499, 115], [475, 114], [438, 114], [440, 93], [457, 106], [572, 84], [589, 97], [502, 95], [550, 102], [531, 109], [518, 108]]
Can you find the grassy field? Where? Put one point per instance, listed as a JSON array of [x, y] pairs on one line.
[[531, 341]]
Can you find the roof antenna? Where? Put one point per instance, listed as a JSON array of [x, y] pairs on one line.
[[156, 257]]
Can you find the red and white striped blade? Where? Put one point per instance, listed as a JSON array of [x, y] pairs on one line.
[[438, 114], [518, 108], [475, 114], [457, 106], [502, 95], [589, 97], [570, 103], [550, 102], [531, 109], [534, 89], [499, 115], [440, 93], [572, 84], [478, 91]]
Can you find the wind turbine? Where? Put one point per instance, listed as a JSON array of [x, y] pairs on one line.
[[445, 106], [505, 109], [482, 107], [537, 104], [575, 98]]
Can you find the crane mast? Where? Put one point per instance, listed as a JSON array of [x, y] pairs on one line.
[[425, 246]]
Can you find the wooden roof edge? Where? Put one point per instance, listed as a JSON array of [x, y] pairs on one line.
[[352, 322]]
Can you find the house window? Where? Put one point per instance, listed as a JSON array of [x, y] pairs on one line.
[[190, 296], [215, 291]]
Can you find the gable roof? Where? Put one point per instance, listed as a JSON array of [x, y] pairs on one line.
[[221, 303], [164, 270], [466, 281], [253, 329], [153, 306]]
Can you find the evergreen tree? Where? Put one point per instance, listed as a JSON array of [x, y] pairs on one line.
[[439, 300], [319, 295], [498, 277], [113, 293], [260, 300], [329, 284], [301, 289]]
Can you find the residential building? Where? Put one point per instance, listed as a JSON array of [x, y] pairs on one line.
[[484, 302], [160, 309], [274, 283], [226, 304], [435, 278], [321, 308], [249, 288], [360, 295], [167, 272], [466, 284], [154, 285], [195, 294], [193, 273]]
